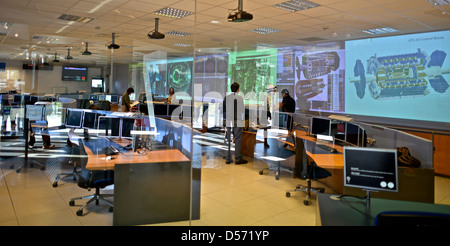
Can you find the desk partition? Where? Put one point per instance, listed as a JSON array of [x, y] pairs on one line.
[[158, 192]]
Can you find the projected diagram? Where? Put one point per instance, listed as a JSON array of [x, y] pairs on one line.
[[319, 82], [401, 75], [179, 76]]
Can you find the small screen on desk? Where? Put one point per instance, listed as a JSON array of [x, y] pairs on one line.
[[371, 168], [127, 126], [35, 112], [320, 126], [108, 126], [74, 118], [89, 120]]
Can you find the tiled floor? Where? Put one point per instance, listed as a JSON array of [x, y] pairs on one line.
[[232, 195]]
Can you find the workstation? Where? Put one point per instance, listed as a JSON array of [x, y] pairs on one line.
[[168, 159]]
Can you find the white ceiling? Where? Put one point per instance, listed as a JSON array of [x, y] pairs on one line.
[[41, 32]]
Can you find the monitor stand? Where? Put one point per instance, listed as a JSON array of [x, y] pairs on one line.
[[368, 199]]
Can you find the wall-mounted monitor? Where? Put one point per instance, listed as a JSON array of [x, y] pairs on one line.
[[74, 118], [74, 73], [371, 168]]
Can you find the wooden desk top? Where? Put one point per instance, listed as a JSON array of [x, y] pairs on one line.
[[99, 162], [332, 160]]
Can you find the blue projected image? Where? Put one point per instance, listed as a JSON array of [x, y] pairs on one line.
[[403, 76]]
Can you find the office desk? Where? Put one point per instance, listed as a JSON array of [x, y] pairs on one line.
[[351, 211], [152, 187]]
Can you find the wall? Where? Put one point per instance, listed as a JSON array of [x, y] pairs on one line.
[[41, 82]]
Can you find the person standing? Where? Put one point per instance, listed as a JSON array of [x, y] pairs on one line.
[[288, 106], [234, 122], [126, 102]]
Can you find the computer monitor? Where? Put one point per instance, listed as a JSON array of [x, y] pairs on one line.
[[17, 98], [34, 112], [74, 118], [54, 114], [371, 169], [17, 111], [101, 97], [108, 126], [114, 99], [90, 120], [352, 134], [93, 97], [320, 126], [127, 127]]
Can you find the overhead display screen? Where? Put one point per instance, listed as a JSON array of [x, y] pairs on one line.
[[404, 76]]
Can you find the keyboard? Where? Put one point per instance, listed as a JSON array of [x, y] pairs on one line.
[[327, 148], [110, 150]]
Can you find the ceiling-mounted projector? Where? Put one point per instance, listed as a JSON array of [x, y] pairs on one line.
[[240, 15], [86, 52], [68, 57], [155, 34], [113, 45]]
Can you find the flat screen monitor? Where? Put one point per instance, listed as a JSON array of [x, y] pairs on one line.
[[320, 126], [371, 168], [97, 83], [17, 112], [127, 127], [74, 74], [34, 112], [114, 99], [89, 120], [93, 97], [108, 98], [108, 126], [17, 99], [352, 134], [74, 118], [102, 97]]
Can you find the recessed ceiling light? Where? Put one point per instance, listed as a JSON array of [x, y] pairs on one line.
[[75, 18], [380, 30], [179, 33], [182, 45], [438, 2], [264, 30], [214, 22], [174, 13], [296, 5]]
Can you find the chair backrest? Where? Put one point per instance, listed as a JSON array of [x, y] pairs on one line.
[[92, 179], [103, 105], [301, 159], [84, 180]]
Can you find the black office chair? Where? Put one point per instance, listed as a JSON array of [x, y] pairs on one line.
[[307, 169], [104, 105], [89, 179], [75, 162]]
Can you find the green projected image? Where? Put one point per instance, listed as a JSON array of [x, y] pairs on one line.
[[253, 70], [179, 75]]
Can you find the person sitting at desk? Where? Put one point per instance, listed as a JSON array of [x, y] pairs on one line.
[[171, 98], [126, 102]]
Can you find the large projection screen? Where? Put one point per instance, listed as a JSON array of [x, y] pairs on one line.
[[405, 77]]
